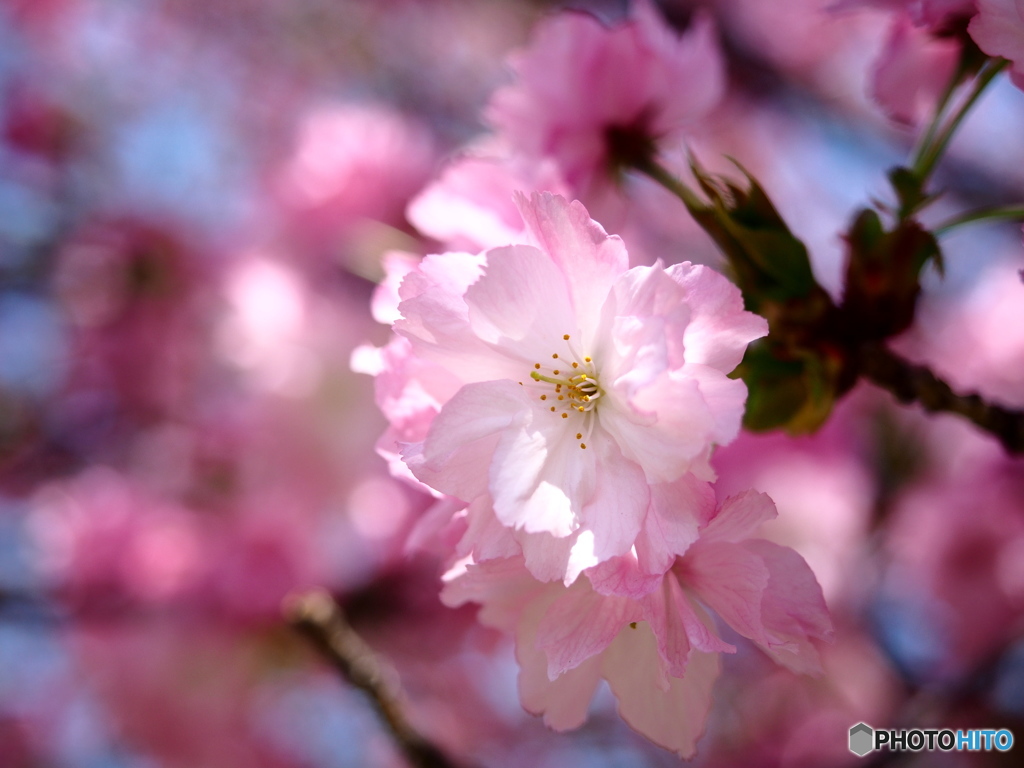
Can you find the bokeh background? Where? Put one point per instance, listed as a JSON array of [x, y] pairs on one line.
[[195, 197]]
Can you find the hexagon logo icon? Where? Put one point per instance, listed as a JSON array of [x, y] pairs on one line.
[[861, 739]]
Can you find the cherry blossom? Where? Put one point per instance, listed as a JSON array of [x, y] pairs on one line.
[[919, 56], [912, 71], [565, 384], [655, 644], [581, 84]]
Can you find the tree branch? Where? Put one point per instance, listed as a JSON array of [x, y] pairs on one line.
[[916, 383], [317, 616]]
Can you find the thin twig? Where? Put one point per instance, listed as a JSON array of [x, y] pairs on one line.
[[1001, 213], [925, 164], [917, 383], [318, 617]]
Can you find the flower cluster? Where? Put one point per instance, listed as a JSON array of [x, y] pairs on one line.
[[566, 406]]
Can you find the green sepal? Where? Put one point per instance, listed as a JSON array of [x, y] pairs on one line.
[[768, 261]]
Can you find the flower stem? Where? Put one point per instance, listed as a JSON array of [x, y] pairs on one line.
[[928, 136], [650, 167], [1002, 213], [927, 159]]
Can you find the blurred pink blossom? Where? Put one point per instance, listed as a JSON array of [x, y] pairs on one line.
[[957, 543], [920, 54], [998, 29], [353, 164], [912, 71], [472, 207], [579, 81], [977, 343], [101, 538], [135, 294]]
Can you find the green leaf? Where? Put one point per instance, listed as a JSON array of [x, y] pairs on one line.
[[796, 395]]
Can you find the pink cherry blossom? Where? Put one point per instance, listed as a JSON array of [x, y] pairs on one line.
[[352, 164], [919, 56], [657, 648], [579, 80], [912, 71], [471, 205], [998, 29], [567, 383]]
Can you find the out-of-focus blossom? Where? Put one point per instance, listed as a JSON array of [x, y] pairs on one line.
[[998, 29], [912, 71], [37, 125], [102, 539], [268, 327], [586, 93], [977, 343], [472, 207], [957, 544], [805, 41], [651, 638], [579, 382], [134, 294], [353, 164], [920, 54]]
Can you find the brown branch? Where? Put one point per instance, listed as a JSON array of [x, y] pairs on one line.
[[912, 383], [317, 616]]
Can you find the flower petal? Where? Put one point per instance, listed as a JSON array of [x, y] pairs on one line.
[[435, 318], [616, 509], [677, 627], [719, 328], [521, 305], [563, 701], [460, 445], [539, 478], [581, 623], [731, 581], [672, 716], [589, 258], [740, 517], [665, 427], [676, 512], [793, 609]]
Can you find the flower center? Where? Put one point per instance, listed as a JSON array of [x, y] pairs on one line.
[[573, 387]]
